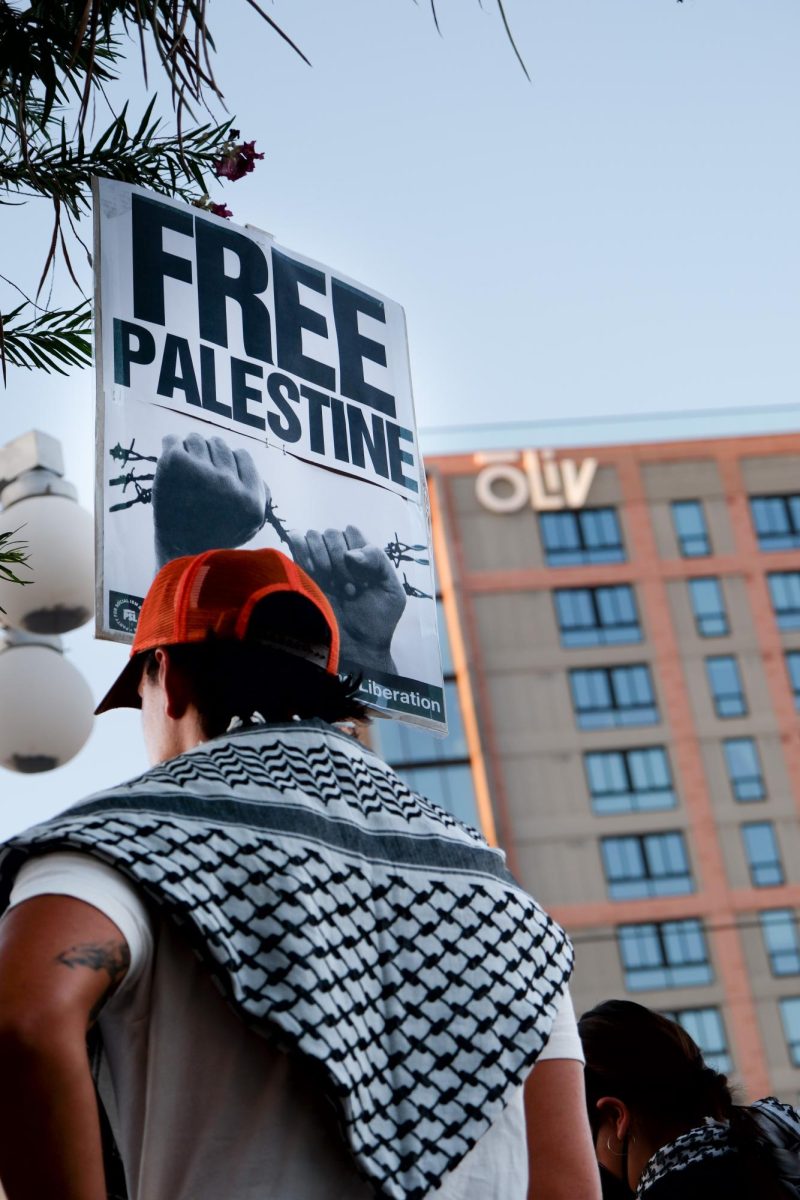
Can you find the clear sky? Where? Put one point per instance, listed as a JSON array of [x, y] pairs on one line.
[[618, 236]]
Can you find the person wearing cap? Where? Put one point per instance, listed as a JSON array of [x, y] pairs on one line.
[[300, 980]]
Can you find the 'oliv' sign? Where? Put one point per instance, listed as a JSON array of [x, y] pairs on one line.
[[508, 481]]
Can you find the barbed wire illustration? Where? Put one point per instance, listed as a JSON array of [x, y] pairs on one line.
[[410, 590], [143, 495], [396, 551]]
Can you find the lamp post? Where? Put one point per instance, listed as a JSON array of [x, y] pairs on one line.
[[36, 500], [46, 705]]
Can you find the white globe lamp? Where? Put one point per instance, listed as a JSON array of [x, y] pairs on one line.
[[40, 508], [46, 706]]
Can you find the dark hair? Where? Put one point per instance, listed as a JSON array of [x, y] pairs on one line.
[[654, 1066], [229, 678]]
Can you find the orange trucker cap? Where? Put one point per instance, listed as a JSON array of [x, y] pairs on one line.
[[215, 594]]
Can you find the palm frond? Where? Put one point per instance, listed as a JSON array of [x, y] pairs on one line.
[[13, 553], [52, 340]]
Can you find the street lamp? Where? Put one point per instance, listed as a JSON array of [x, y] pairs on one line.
[[41, 506], [46, 705]]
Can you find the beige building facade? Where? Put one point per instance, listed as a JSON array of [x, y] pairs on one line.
[[622, 629]]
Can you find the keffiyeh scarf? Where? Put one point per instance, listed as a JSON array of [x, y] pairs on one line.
[[349, 920], [778, 1123]]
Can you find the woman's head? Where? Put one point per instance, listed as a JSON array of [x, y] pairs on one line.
[[646, 1083]]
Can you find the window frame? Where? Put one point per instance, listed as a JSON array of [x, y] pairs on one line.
[[613, 678], [787, 615], [702, 620], [727, 705], [718, 1059], [702, 538], [583, 551], [599, 632], [792, 661], [764, 872], [688, 972], [792, 1043], [623, 762], [776, 953], [650, 851], [753, 782], [788, 538]]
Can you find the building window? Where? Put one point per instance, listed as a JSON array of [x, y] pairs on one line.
[[650, 864], [744, 768], [670, 954], [708, 606], [761, 852], [781, 940], [776, 520], [689, 522], [793, 667], [629, 780], [582, 537], [704, 1026], [597, 616], [438, 768], [790, 1015], [784, 588], [604, 697], [726, 686]]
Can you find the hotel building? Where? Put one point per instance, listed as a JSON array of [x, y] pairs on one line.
[[621, 627]]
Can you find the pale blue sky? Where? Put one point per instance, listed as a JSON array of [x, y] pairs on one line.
[[619, 236]]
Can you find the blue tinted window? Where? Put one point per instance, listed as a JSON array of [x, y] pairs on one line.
[[726, 686], [597, 616], [401, 743], [793, 667], [444, 640], [665, 955], [629, 780], [691, 532], [450, 786], [604, 697], [651, 864], [708, 606], [776, 520], [761, 852], [784, 589], [790, 1015], [744, 768], [582, 536], [704, 1026], [781, 940]]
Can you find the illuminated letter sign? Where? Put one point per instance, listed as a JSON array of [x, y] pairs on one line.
[[540, 480]]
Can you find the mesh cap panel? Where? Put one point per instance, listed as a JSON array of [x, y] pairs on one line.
[[217, 593]]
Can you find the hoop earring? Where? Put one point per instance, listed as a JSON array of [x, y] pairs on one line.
[[617, 1153]]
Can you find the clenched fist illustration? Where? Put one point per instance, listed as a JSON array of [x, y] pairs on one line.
[[205, 497], [363, 588]]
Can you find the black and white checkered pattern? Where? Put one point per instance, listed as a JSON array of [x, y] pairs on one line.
[[349, 919], [778, 1123]]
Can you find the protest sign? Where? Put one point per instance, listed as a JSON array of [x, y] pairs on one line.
[[249, 396]]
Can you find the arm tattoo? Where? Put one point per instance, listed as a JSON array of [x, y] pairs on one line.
[[113, 956]]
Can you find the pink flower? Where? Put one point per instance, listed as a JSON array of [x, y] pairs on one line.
[[219, 210], [238, 159]]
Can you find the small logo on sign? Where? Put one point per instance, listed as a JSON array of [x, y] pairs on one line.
[[123, 611]]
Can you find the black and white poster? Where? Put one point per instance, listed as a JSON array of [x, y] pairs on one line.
[[249, 396]]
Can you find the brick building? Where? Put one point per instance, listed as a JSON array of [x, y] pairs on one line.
[[623, 664]]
